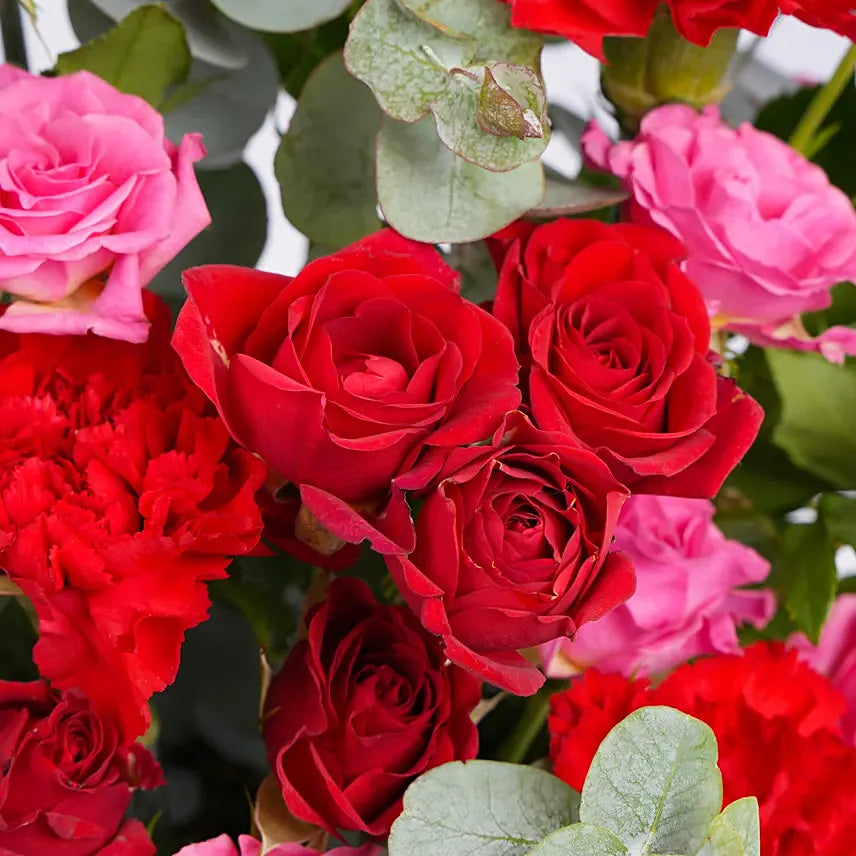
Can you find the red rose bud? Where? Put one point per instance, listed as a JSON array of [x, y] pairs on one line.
[[512, 550], [65, 780], [362, 707], [121, 494], [614, 342], [339, 377]]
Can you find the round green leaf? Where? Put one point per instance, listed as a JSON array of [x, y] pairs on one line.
[[281, 16], [481, 808], [735, 832], [415, 69], [327, 178], [429, 194], [581, 839], [654, 782]]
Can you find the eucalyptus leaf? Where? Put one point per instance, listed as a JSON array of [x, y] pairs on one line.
[[566, 198], [429, 194], [818, 402], [581, 839], [654, 782], [415, 69], [327, 178], [486, 22], [281, 16], [735, 832], [481, 808], [145, 54]]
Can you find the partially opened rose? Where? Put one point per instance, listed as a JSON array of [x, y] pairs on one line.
[[767, 235], [363, 705], [248, 846], [689, 597], [513, 550], [614, 343], [96, 200], [340, 377], [66, 778]]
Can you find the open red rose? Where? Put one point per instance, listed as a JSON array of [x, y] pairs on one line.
[[614, 342], [512, 550], [339, 377], [363, 705], [121, 493], [65, 779], [778, 727]]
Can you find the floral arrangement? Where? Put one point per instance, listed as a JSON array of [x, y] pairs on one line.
[[515, 523]]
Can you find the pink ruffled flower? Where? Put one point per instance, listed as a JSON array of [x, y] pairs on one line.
[[247, 846], [687, 601], [835, 655], [94, 201], [768, 235]]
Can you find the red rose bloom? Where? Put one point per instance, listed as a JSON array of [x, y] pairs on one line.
[[586, 22], [836, 15], [614, 342], [65, 780], [120, 495], [512, 550], [777, 724], [362, 707], [339, 377]]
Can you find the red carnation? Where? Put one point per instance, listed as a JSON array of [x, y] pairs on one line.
[[121, 493], [65, 778], [778, 726], [512, 550], [363, 706], [614, 341], [340, 377]]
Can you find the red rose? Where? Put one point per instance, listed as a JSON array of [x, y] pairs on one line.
[[362, 707], [778, 726], [586, 22], [121, 493], [65, 780], [512, 550], [614, 343], [339, 377], [837, 15]]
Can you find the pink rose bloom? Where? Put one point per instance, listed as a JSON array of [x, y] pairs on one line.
[[835, 655], [687, 602], [94, 201], [223, 846], [767, 234]]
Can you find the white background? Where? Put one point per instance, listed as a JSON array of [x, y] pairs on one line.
[[572, 80]]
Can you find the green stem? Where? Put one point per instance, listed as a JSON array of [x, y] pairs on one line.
[[517, 744], [14, 46], [825, 99]]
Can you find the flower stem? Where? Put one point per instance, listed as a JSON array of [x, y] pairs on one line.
[[14, 45], [807, 130], [517, 744]]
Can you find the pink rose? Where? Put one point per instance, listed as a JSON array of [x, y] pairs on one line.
[[687, 600], [767, 234], [223, 846], [95, 201], [835, 655]]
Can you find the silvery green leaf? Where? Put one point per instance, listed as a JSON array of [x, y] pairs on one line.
[[581, 839], [327, 178], [735, 832], [481, 808], [281, 16], [429, 194], [654, 782], [415, 69]]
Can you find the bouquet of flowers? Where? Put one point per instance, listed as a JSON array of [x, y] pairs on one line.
[[517, 521]]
